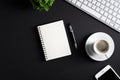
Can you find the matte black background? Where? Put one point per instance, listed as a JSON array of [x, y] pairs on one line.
[[20, 48]]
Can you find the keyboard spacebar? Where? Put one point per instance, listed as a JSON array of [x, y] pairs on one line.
[[91, 11]]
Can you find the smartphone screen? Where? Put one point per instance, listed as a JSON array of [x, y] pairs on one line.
[[109, 75]]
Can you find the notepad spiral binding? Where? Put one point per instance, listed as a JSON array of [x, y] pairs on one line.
[[42, 42]]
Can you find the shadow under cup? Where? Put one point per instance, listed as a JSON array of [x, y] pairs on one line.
[[101, 47]]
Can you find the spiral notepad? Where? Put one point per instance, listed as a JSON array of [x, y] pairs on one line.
[[54, 40]]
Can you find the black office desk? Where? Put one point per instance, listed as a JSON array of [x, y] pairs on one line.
[[21, 51]]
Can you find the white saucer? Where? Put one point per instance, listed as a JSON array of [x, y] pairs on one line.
[[98, 36]]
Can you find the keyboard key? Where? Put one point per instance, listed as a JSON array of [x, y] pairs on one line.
[[97, 9], [102, 6], [107, 4], [78, 3], [108, 21], [112, 1], [74, 1], [110, 16], [106, 8], [118, 21], [116, 26], [94, 1], [112, 7], [106, 14], [118, 16], [93, 7], [104, 2], [114, 19], [116, 3], [85, 2], [89, 4], [116, 9], [114, 13], [111, 23], [103, 18], [110, 11], [91, 11], [98, 4], [101, 11]]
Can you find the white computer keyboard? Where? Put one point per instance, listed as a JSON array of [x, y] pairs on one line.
[[107, 11]]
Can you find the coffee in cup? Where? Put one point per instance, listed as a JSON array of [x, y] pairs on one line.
[[101, 47]]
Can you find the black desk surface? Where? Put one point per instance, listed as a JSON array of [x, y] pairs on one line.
[[21, 51]]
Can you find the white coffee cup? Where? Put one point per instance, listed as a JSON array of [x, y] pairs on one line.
[[101, 47]]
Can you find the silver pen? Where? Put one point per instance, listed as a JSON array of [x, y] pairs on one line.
[[71, 30]]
